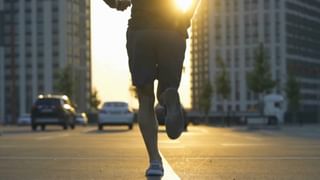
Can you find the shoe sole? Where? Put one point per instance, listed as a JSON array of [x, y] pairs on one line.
[[174, 119], [154, 173]]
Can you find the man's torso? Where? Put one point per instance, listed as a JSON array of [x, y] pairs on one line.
[[153, 14]]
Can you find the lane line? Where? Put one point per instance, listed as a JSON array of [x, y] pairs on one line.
[[169, 173], [169, 141], [252, 138], [244, 144], [53, 137], [169, 144]]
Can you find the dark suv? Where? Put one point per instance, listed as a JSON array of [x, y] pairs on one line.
[[52, 110]]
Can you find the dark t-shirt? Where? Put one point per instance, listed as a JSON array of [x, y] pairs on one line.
[[157, 14]]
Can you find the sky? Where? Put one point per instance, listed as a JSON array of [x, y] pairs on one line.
[[110, 71]]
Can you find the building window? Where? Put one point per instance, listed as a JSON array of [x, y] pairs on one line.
[[277, 4], [266, 4], [235, 5]]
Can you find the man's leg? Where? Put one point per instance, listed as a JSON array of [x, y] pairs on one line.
[[170, 54], [147, 122]]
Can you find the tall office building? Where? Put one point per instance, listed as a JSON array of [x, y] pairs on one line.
[[42, 37], [1, 61], [234, 29]]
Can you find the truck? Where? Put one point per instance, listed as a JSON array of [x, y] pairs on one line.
[[273, 113]]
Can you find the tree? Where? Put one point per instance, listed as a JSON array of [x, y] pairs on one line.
[[222, 80], [259, 79], [223, 88], [134, 98], [133, 91], [205, 99], [94, 100], [64, 83], [293, 94]]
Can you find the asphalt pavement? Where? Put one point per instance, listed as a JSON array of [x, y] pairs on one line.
[[201, 153]]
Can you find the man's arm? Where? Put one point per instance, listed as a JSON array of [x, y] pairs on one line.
[[188, 15], [193, 9]]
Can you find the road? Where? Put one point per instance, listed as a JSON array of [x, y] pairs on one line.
[[201, 153]]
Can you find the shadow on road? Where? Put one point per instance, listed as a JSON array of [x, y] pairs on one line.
[[154, 178], [162, 131]]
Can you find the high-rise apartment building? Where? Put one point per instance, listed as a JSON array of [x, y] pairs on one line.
[[42, 37], [1, 60], [234, 29]]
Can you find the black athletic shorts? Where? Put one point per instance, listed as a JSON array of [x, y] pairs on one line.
[[156, 54]]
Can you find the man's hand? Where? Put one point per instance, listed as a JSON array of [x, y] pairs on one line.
[[120, 5]]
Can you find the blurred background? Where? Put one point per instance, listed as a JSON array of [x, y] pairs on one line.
[[250, 92], [244, 58]]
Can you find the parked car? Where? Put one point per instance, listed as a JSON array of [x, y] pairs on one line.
[[161, 113], [115, 113], [52, 110], [24, 119], [82, 119]]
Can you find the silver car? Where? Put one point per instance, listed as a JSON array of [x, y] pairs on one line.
[[115, 113]]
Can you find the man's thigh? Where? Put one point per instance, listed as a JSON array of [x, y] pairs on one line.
[[142, 59], [156, 54], [171, 48]]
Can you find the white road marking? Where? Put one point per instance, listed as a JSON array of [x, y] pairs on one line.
[[195, 132], [169, 173], [252, 138], [244, 144], [169, 142], [53, 137]]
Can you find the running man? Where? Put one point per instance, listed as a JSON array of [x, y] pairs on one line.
[[156, 44]]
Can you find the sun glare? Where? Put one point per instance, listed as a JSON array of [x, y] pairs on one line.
[[183, 4]]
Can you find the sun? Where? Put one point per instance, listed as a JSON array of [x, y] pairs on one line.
[[183, 5]]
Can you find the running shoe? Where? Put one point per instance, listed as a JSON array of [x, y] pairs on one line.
[[155, 169], [174, 120]]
